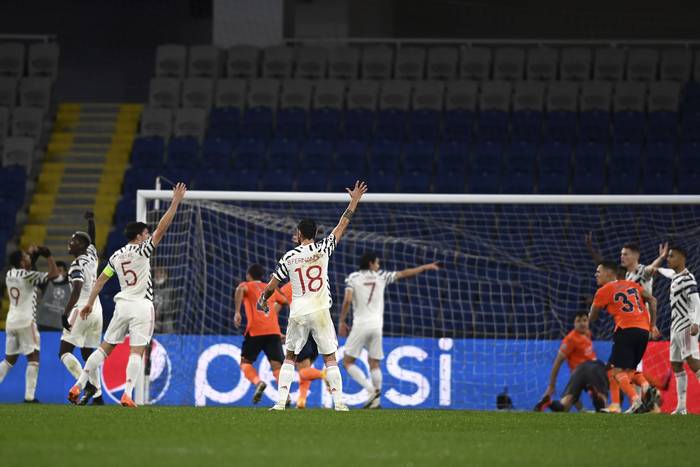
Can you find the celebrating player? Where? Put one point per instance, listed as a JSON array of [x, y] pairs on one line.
[[262, 332], [133, 313], [306, 267], [82, 333], [364, 289], [685, 319], [22, 335], [624, 300]]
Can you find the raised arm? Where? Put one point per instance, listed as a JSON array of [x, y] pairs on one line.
[[554, 373], [178, 193], [653, 267], [343, 328], [411, 272], [237, 300], [355, 195], [267, 293], [90, 218], [107, 273], [595, 254]]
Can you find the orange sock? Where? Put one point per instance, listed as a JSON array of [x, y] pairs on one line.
[[626, 386], [250, 373], [639, 379], [310, 373], [614, 389], [276, 374], [304, 385]]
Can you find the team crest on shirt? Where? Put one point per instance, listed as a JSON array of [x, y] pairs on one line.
[[114, 371]]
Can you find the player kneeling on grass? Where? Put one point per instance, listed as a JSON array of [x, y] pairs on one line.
[[22, 335], [133, 314], [306, 267]]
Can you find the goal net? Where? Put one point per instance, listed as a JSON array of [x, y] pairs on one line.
[[515, 272]]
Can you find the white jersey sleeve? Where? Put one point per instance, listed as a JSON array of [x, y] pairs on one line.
[[22, 292]]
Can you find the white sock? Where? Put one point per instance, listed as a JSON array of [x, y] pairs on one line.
[[681, 388], [5, 367], [96, 381], [284, 382], [376, 374], [359, 376], [72, 364], [133, 368], [32, 375], [91, 366], [335, 383]]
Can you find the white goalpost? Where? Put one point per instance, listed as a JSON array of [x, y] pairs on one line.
[[515, 272]]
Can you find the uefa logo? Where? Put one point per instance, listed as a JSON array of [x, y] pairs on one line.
[[114, 371]]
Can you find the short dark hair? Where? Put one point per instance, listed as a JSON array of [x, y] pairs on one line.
[[631, 246], [62, 264], [15, 258], [134, 229], [367, 258], [83, 238], [256, 271], [679, 249], [611, 266], [307, 228], [581, 314], [621, 272]]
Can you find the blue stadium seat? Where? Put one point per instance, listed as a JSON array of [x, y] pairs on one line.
[[419, 155], [555, 156], [590, 155], [452, 155], [224, 123], [526, 125], [662, 127], [659, 154], [391, 124], [318, 154], [526, 150], [214, 180], [424, 124], [383, 182], [246, 180], [148, 152], [341, 179], [414, 182], [485, 180], [312, 180], [183, 153], [690, 126], [324, 124], [257, 123], [291, 124], [216, 153], [250, 154], [351, 155], [283, 154], [136, 178], [458, 125], [659, 181], [553, 182], [493, 125], [688, 182], [385, 155], [277, 180], [125, 210], [358, 124], [588, 180], [629, 126], [561, 126], [594, 126], [624, 174], [517, 180], [488, 150]]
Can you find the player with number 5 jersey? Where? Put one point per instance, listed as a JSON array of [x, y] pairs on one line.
[[133, 312], [306, 268]]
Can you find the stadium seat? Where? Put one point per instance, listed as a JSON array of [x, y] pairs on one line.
[[529, 95], [484, 180], [190, 122], [213, 180], [278, 61], [395, 95], [377, 62], [18, 151], [385, 156], [204, 60], [609, 64], [662, 127], [27, 121], [449, 182], [542, 64], [391, 125], [623, 177], [688, 183], [343, 63], [358, 124], [419, 156], [156, 122], [630, 96], [329, 94], [164, 93], [171, 60], [341, 179], [324, 123], [43, 59], [8, 91], [588, 180], [4, 124], [277, 180], [198, 93], [148, 152], [311, 63], [250, 154], [264, 93], [183, 153], [561, 126], [591, 155], [362, 95], [216, 153], [675, 64], [35, 91], [496, 95], [414, 182], [424, 125], [283, 154], [575, 64], [555, 157], [526, 125], [475, 63], [493, 125], [12, 59], [642, 64], [594, 126], [509, 64], [318, 154], [246, 180], [296, 94], [452, 155], [230, 93], [312, 180], [488, 151], [595, 95], [351, 155], [663, 96], [517, 181], [462, 95], [442, 63], [242, 62], [224, 123], [410, 63], [562, 96], [383, 182], [257, 123], [428, 95], [658, 182], [458, 125], [629, 126]]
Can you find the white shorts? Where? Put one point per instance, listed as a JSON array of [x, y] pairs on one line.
[[134, 318], [84, 333], [22, 341], [683, 345], [369, 338], [319, 324]]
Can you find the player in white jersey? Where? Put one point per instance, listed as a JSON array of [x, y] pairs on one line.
[[21, 333], [306, 267], [83, 333], [685, 322], [133, 313], [364, 289]]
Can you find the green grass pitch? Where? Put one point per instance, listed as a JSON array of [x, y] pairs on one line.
[[178, 436]]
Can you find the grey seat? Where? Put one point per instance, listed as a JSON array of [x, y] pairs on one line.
[[542, 64], [27, 121], [198, 92], [4, 124], [171, 60], [595, 95], [8, 91], [363, 95], [563, 95], [496, 95], [429, 95], [528, 95], [164, 93], [443, 63], [35, 91], [663, 96], [410, 63], [242, 61], [43, 60], [156, 122], [395, 94], [462, 95], [312, 62], [329, 93], [377, 62], [343, 63], [630, 95], [296, 93], [12, 59], [675, 64], [230, 92], [18, 150], [575, 64], [190, 122], [609, 64], [696, 65], [278, 62], [475, 63], [204, 60], [509, 64], [264, 93], [642, 64]]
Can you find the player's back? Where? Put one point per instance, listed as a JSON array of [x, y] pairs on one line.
[[623, 300], [578, 348], [84, 268], [306, 267], [259, 323], [21, 289], [133, 267], [368, 295]]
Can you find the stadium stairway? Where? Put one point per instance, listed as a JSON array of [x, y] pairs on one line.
[[84, 167]]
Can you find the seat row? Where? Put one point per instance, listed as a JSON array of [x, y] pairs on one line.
[[21, 121], [401, 94], [28, 92], [446, 62], [39, 59]]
